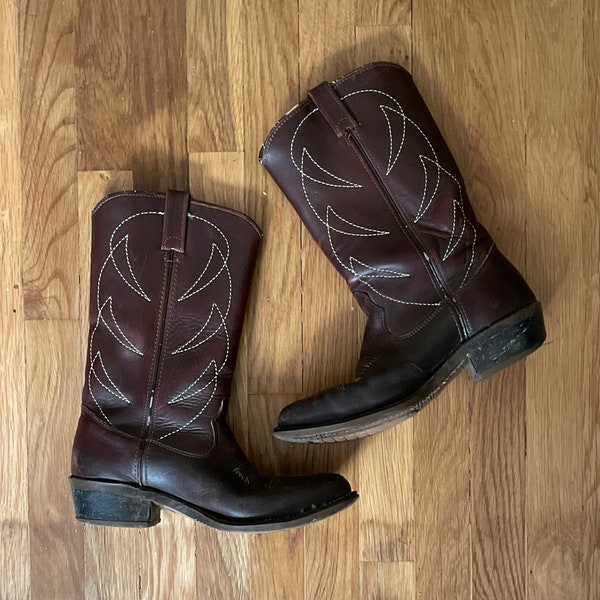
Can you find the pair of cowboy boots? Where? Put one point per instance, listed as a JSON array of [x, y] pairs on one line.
[[370, 175]]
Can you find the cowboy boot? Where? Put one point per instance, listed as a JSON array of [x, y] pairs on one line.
[[366, 168], [169, 283]]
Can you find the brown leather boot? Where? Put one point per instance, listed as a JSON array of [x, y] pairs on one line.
[[169, 284], [366, 168]]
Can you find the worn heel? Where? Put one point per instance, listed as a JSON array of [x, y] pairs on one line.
[[101, 503], [506, 342]]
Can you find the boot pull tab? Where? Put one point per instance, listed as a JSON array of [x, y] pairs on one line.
[[332, 108], [175, 221]]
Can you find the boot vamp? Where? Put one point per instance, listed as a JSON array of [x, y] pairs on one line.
[[384, 383], [225, 485]]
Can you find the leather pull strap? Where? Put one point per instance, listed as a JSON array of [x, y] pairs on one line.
[[175, 221], [332, 108]]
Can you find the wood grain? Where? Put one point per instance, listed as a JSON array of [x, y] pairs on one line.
[[387, 580], [556, 376], [14, 527], [56, 539], [493, 490], [387, 506], [48, 158], [159, 86], [271, 82], [495, 177], [215, 74], [591, 258], [105, 92]]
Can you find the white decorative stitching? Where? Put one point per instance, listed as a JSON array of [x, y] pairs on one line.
[[184, 395], [360, 277], [123, 340], [191, 291], [215, 379], [400, 112], [348, 184], [115, 391], [451, 246], [439, 168], [189, 344], [421, 211], [385, 273], [368, 231], [190, 391]]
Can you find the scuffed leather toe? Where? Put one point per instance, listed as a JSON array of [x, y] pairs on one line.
[[382, 385]]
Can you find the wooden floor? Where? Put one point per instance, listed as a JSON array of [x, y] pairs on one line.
[[493, 491]]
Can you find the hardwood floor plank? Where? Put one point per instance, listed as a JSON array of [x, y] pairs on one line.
[[495, 179], [271, 455], [383, 12], [277, 560], [556, 375], [53, 392], [48, 155], [325, 40], [112, 563], [169, 559], [271, 88], [223, 564], [215, 74], [284, 549], [591, 266], [386, 473], [332, 322], [384, 43], [383, 580], [159, 87], [103, 57], [14, 526], [331, 552]]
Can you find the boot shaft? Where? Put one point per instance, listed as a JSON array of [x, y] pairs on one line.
[[169, 283], [367, 169]]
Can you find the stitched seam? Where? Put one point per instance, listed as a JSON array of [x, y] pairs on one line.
[[156, 342], [401, 225], [97, 421], [182, 222], [189, 292], [166, 335], [185, 347], [131, 193], [168, 216], [482, 268], [234, 213]]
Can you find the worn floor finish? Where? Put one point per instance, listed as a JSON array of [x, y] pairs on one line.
[[494, 490]]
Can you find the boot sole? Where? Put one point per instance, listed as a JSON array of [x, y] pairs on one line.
[[493, 349], [121, 505]]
